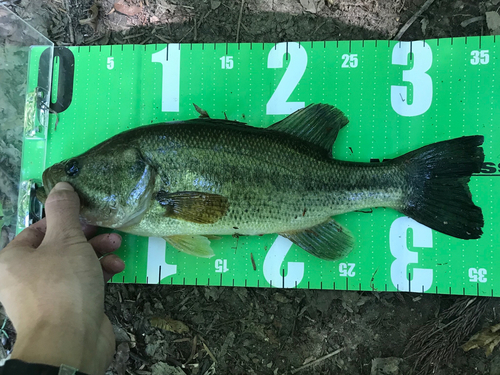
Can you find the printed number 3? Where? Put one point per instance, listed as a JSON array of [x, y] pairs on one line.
[[417, 76], [422, 237]]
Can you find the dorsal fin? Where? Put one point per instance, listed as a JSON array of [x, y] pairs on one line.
[[316, 123]]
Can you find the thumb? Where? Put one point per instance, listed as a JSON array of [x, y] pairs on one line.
[[62, 209]]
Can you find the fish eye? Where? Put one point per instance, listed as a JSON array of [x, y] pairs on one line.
[[72, 168]]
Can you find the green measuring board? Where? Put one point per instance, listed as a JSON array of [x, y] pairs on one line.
[[398, 96]]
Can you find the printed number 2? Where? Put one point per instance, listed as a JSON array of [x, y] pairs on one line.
[[272, 265], [421, 82], [480, 57], [278, 104], [476, 275], [170, 59], [422, 237]]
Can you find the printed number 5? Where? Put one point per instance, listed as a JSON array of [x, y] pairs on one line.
[[420, 81], [111, 63]]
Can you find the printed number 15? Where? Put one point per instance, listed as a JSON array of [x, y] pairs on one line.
[[226, 62]]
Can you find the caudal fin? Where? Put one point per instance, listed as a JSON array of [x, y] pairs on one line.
[[438, 194]]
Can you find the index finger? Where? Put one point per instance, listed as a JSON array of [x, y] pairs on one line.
[[32, 236]]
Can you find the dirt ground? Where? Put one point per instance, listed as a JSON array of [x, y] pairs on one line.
[[212, 330]]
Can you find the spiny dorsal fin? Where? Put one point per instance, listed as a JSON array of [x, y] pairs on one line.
[[316, 123]]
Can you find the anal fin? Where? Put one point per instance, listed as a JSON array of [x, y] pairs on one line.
[[192, 244], [328, 240]]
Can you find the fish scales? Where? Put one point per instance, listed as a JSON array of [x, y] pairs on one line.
[[274, 182]]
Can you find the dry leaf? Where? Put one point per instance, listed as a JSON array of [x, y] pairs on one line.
[[487, 339], [493, 22], [202, 112], [92, 20], [128, 10], [309, 5], [169, 324], [215, 4]]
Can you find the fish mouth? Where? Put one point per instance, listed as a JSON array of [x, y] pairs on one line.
[[42, 192]]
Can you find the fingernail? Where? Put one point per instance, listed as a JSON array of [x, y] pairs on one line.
[[118, 265], [63, 186]]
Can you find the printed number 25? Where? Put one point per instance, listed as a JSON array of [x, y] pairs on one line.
[[421, 82]]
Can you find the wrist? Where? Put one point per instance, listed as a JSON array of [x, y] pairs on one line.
[[55, 344]]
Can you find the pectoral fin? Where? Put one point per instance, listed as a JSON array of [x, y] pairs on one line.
[[193, 245], [193, 206], [328, 240]]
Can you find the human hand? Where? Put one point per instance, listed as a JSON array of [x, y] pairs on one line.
[[52, 288]]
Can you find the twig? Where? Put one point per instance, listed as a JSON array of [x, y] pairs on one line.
[[239, 21], [165, 40], [193, 350], [471, 20], [195, 31], [424, 7], [185, 35], [71, 32], [313, 363], [319, 27], [133, 36], [209, 352]]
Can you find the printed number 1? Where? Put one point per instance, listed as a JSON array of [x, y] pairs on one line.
[[170, 59]]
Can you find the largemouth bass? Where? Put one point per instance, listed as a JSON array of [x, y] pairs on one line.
[[187, 180]]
